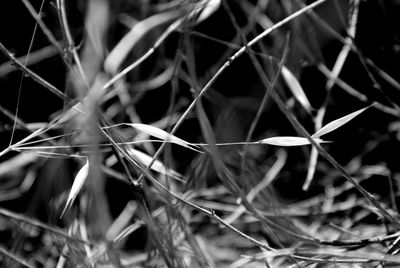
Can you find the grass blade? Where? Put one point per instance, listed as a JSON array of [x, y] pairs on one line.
[[311, 169], [295, 87], [77, 185], [163, 135], [209, 9], [288, 141], [157, 166], [338, 123]]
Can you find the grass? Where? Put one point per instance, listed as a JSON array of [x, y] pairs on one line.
[[177, 134]]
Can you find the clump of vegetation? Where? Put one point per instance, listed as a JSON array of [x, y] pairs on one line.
[[206, 133]]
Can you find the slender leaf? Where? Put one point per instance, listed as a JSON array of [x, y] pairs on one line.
[[311, 169], [337, 123], [295, 87], [288, 141], [163, 135], [157, 166], [79, 180]]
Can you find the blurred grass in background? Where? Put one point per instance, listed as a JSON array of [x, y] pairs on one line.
[[155, 133]]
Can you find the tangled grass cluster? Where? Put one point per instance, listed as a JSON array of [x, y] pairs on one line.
[[207, 133]]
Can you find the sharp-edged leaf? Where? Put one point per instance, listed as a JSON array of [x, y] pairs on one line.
[[209, 9], [77, 185], [163, 135], [288, 141], [157, 166], [337, 123], [295, 87]]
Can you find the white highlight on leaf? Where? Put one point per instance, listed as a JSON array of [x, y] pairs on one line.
[[288, 141], [322, 131], [163, 135], [337, 123], [295, 87], [209, 9], [79, 180], [312, 166], [157, 166]]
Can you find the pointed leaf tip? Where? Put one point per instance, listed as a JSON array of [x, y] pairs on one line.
[[79, 180], [295, 87], [338, 123], [163, 135]]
